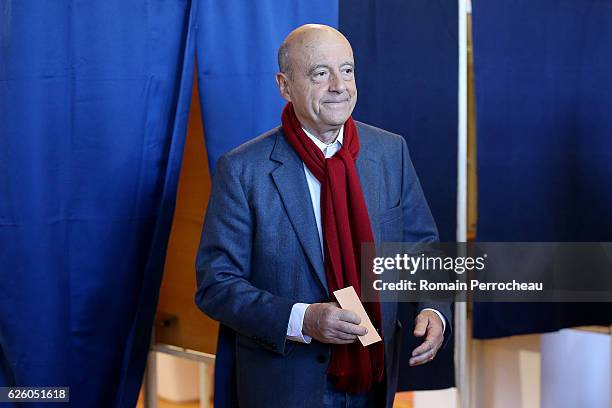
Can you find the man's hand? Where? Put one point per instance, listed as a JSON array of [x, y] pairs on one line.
[[427, 322], [328, 323]]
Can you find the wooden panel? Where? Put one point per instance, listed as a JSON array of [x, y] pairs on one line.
[[472, 181], [192, 329]]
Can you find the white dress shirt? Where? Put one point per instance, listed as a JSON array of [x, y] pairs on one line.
[[296, 319]]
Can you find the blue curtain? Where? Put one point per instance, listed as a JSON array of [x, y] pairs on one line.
[[543, 97], [93, 106]]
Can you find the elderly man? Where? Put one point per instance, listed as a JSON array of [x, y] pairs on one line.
[[285, 222]]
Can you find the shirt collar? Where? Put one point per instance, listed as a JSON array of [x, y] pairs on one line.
[[323, 146]]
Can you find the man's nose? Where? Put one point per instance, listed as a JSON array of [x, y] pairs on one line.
[[336, 83]]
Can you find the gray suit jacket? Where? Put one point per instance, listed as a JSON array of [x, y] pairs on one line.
[[260, 254]]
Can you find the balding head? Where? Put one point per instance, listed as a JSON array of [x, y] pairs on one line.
[[306, 36], [316, 74]]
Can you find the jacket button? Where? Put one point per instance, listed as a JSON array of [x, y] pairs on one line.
[[321, 358]]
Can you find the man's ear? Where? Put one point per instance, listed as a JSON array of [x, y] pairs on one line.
[[283, 86]]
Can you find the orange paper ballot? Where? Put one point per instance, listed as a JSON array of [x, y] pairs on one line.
[[348, 300]]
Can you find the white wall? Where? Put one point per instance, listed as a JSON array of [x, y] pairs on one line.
[[442, 399], [575, 369]]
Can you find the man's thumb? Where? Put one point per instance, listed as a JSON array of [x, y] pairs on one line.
[[421, 326]]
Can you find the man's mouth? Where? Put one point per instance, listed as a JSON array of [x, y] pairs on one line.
[[336, 103]]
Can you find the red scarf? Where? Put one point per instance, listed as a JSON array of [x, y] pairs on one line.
[[346, 225]]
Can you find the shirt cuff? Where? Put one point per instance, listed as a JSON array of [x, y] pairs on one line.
[[296, 321], [439, 314]]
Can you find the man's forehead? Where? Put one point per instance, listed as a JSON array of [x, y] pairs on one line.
[[315, 35], [319, 49], [314, 39]]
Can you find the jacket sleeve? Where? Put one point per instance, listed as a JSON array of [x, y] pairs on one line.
[[223, 267]]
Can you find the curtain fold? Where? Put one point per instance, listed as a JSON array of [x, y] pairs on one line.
[[93, 105]]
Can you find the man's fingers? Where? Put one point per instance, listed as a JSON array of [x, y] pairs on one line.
[[425, 352], [351, 329], [422, 358], [339, 326], [348, 316], [340, 341], [432, 341], [435, 334], [428, 349], [343, 336], [425, 347], [421, 325]]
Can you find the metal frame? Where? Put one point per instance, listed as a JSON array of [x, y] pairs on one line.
[[461, 338]]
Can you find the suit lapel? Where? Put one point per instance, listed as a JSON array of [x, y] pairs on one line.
[[291, 184]]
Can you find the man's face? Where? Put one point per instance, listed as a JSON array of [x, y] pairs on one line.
[[321, 84]]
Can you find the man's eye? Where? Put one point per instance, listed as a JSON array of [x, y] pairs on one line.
[[348, 70]]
